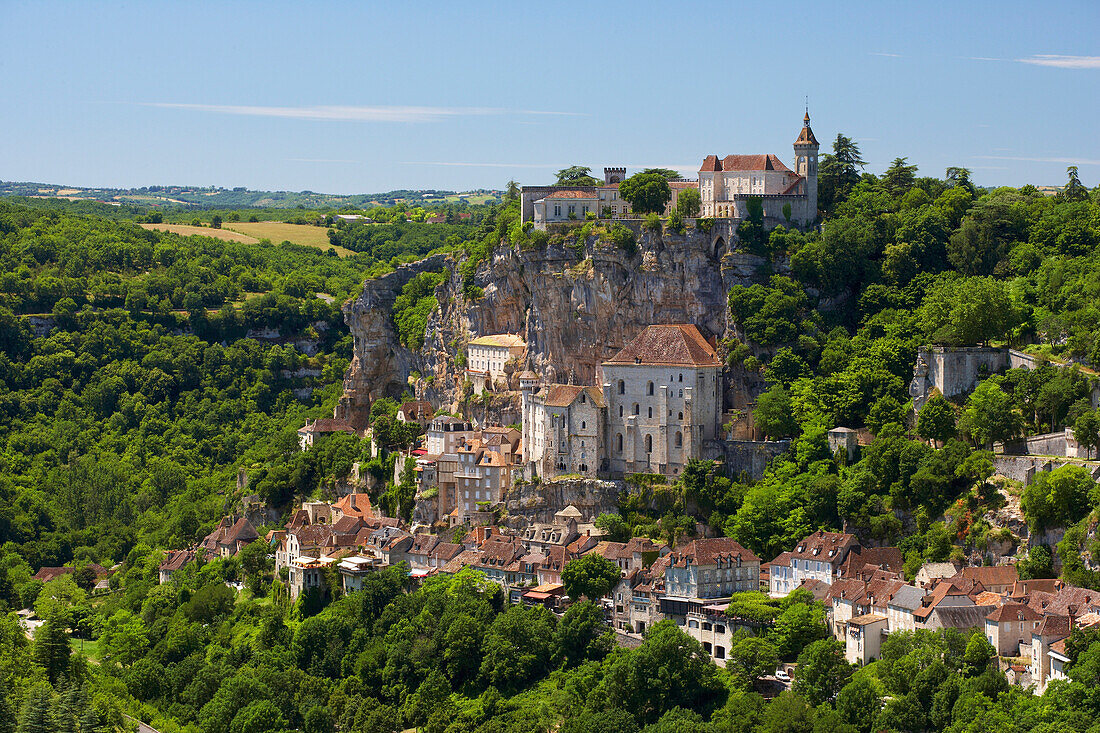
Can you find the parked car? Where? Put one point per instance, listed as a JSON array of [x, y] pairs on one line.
[[782, 676]]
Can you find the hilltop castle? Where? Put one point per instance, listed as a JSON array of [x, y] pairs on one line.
[[725, 187]]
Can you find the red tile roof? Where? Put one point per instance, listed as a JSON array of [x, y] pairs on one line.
[[762, 162], [327, 425], [572, 195], [564, 395], [678, 344], [709, 551], [991, 575], [1013, 612], [176, 559]]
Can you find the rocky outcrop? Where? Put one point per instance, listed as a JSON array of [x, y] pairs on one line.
[[576, 305], [538, 502]]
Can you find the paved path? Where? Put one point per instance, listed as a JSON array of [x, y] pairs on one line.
[[142, 727]]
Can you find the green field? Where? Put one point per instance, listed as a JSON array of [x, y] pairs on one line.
[[278, 231]]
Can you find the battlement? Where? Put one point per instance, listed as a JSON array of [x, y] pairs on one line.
[[613, 175]]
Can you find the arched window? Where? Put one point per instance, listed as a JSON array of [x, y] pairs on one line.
[[679, 439], [619, 442], [583, 398], [680, 416], [622, 387], [649, 388], [620, 410], [681, 393], [584, 424], [583, 467], [649, 444], [635, 408], [681, 378]]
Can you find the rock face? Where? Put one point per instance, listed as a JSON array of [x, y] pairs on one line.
[[575, 306], [527, 503]]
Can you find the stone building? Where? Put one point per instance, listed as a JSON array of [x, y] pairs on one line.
[[727, 184], [545, 204], [563, 428], [487, 355], [663, 393]]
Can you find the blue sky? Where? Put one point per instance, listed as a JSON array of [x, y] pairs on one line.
[[365, 97]]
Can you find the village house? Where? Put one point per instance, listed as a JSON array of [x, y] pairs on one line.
[[711, 568], [932, 572], [486, 357], [636, 599], [900, 608], [864, 637], [174, 560], [1010, 627], [312, 431], [306, 574], [816, 557], [353, 571], [417, 411], [710, 627], [996, 579], [482, 477], [229, 538]]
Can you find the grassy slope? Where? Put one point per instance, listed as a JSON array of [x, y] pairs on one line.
[[187, 229]]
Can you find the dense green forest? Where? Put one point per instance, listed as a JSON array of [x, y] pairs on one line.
[[139, 373]]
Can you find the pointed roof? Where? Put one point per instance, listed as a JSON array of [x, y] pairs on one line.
[[671, 344], [807, 134]]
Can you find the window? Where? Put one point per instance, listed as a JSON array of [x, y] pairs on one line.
[[620, 410], [679, 439], [584, 398], [635, 408], [649, 444], [681, 378], [649, 388], [651, 412], [619, 442], [622, 387], [681, 393], [572, 209], [557, 210], [679, 416], [583, 426]]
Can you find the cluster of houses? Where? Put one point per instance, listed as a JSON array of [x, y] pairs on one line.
[[863, 588], [1026, 621]]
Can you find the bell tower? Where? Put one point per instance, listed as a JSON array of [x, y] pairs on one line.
[[805, 165]]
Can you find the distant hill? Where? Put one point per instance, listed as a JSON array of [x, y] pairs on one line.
[[214, 197]]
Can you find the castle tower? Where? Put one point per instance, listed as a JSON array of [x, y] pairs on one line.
[[612, 176], [805, 165]]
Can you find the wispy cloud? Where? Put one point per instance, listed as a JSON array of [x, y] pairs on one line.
[[882, 53], [984, 58], [319, 160], [339, 113], [1063, 62], [1037, 159]]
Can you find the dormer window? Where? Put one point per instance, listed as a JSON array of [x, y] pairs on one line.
[[801, 548], [817, 550]]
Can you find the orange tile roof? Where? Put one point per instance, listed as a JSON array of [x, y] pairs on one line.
[[572, 195], [564, 395]]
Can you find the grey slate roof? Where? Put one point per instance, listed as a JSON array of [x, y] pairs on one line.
[[908, 598]]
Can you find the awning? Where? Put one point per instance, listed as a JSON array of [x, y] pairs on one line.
[[536, 596]]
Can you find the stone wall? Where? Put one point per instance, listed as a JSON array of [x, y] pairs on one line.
[[750, 457], [1024, 468], [1060, 443]]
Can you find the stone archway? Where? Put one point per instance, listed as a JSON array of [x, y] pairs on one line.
[[719, 247]]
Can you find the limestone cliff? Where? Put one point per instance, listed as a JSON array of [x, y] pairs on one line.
[[575, 304]]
